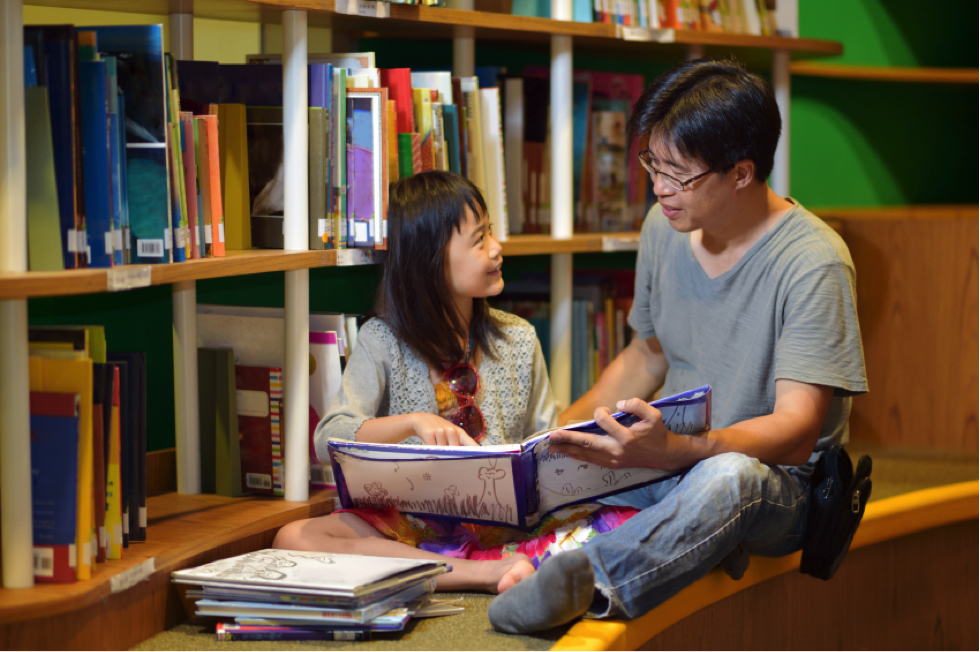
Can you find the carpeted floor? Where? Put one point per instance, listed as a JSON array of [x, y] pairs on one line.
[[896, 471]]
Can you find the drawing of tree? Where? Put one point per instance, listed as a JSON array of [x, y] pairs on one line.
[[490, 475]]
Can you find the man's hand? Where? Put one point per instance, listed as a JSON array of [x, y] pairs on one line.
[[436, 431], [647, 443]]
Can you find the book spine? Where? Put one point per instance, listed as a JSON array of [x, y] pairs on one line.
[[214, 171]]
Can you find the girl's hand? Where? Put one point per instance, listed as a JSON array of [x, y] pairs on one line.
[[436, 431]]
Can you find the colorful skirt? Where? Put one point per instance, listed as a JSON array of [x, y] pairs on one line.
[[566, 529]]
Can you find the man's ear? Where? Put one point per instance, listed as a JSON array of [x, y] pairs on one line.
[[744, 173]]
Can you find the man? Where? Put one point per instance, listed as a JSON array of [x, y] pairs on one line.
[[738, 288]]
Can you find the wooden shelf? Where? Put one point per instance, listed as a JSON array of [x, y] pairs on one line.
[[889, 74], [235, 263], [425, 23], [924, 212], [530, 245], [183, 531]]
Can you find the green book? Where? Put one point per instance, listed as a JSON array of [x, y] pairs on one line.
[[43, 218], [317, 177], [228, 462], [405, 168], [207, 360]]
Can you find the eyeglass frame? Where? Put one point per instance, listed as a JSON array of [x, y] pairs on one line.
[[467, 401], [668, 178]]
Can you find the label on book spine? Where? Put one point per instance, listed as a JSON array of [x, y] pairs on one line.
[[117, 239], [142, 517], [44, 562], [368, 8], [150, 248], [71, 238], [108, 241], [221, 232], [127, 277], [207, 235]]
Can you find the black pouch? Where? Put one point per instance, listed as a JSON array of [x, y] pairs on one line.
[[837, 504]]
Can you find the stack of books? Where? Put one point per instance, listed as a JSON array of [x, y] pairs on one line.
[[293, 595]]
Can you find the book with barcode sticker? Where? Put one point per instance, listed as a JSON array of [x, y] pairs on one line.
[[259, 405], [54, 472]]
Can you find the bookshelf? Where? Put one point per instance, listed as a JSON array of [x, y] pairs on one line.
[[886, 73], [463, 26]]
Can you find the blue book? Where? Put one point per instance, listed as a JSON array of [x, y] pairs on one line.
[[581, 11], [139, 53], [117, 159], [321, 93], [451, 121], [61, 80], [54, 472], [95, 156]]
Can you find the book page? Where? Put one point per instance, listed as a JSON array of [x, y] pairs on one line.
[[466, 488]]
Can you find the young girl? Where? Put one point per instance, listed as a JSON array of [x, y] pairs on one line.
[[435, 339]]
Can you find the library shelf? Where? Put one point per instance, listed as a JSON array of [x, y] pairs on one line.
[[916, 212], [236, 263], [886, 73], [183, 531], [536, 244], [422, 22]]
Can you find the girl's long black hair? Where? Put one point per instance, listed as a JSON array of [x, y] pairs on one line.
[[414, 297]]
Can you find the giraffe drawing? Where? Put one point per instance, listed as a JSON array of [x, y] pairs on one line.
[[490, 475]]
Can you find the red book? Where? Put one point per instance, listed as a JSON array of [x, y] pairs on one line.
[[213, 170], [258, 391], [398, 81], [190, 179]]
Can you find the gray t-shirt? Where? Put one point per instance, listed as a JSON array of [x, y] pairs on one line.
[[785, 310], [386, 377]]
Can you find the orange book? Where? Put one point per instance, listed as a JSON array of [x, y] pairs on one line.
[[204, 177], [392, 141], [214, 181], [671, 7], [416, 153]]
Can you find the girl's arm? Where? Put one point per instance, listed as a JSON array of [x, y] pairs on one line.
[[433, 429]]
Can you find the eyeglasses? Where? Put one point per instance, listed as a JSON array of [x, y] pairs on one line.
[[673, 182], [464, 382]]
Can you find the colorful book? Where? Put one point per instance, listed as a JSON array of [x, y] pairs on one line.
[[367, 166], [132, 432], [117, 160], [423, 120], [74, 377], [392, 141], [54, 484], [405, 164], [450, 113], [212, 169], [514, 485], [233, 158], [189, 157], [398, 81], [320, 231], [142, 82], [338, 130], [114, 487], [476, 166], [514, 151], [259, 401], [99, 454]]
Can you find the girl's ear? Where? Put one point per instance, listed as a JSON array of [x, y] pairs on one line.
[[744, 173]]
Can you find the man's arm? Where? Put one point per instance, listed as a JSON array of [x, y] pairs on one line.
[[638, 371], [785, 437]]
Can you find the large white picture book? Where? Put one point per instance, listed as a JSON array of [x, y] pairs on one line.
[[514, 485]]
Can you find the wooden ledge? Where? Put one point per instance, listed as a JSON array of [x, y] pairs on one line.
[[883, 520], [921, 212], [886, 73], [183, 531]]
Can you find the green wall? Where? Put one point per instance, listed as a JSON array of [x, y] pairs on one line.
[[853, 144]]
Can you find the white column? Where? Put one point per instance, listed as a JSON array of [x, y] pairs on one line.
[[184, 297], [464, 43], [182, 34], [296, 378], [781, 85], [16, 524], [186, 415], [562, 206]]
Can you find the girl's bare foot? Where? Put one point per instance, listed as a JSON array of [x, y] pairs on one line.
[[509, 572]]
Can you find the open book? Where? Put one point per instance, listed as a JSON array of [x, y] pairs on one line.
[[514, 485]]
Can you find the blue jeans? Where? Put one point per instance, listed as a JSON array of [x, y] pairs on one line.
[[724, 507]]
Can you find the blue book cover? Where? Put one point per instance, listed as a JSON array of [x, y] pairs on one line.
[[54, 484], [321, 92], [95, 156], [117, 159], [61, 80], [451, 121], [139, 53]]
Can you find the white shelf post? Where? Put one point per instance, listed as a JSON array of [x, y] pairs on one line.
[[562, 206], [296, 376], [16, 522], [464, 43], [781, 86], [184, 297]]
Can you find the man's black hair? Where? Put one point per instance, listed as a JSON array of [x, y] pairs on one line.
[[713, 111]]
